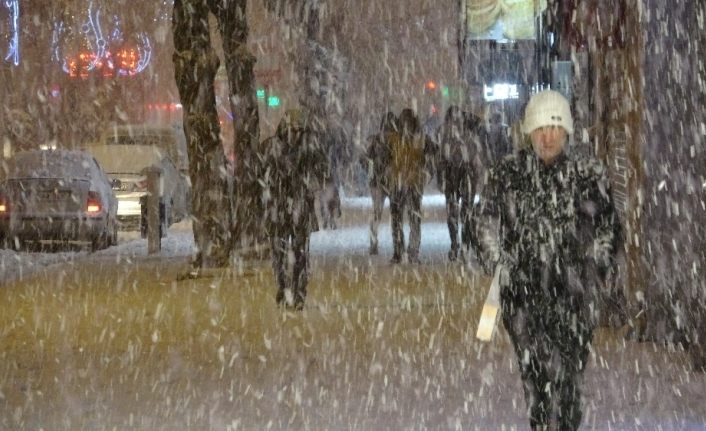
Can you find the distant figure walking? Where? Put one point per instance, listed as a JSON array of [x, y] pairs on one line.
[[336, 146], [497, 139], [410, 151], [293, 166], [377, 164], [457, 166]]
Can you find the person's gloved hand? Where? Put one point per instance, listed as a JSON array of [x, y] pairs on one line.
[[584, 281], [504, 279]]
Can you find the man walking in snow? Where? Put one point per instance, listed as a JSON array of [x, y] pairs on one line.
[[548, 223], [457, 164], [410, 152], [293, 165]]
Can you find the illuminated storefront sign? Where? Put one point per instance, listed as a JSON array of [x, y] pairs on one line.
[[502, 19]]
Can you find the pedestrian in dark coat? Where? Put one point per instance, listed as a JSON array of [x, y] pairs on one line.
[[377, 164], [547, 223], [497, 136], [411, 152], [336, 146], [490, 143], [293, 165], [457, 164]]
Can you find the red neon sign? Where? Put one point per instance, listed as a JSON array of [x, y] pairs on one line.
[[124, 63]]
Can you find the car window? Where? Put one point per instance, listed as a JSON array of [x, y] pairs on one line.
[[42, 163], [100, 173]]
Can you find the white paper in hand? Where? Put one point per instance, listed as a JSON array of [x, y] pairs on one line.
[[491, 308]]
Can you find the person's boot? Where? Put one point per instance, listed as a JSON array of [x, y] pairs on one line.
[[279, 298], [453, 252], [298, 304], [373, 249], [297, 300]]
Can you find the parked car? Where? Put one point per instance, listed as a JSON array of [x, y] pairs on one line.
[[56, 195], [125, 152]]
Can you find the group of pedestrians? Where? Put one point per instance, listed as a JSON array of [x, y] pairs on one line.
[[401, 160], [545, 225]]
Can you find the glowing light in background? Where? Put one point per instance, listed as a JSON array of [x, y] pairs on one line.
[[166, 11], [500, 91], [105, 53], [13, 51]]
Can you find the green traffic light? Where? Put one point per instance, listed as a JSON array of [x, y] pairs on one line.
[[445, 91], [260, 93], [273, 101]]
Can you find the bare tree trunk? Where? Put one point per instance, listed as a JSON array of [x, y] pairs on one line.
[[195, 66], [233, 26], [305, 14], [223, 222]]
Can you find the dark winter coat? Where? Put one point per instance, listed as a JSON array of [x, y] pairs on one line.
[[497, 141], [460, 151], [378, 159], [291, 175], [336, 147], [411, 154], [556, 226], [408, 168]]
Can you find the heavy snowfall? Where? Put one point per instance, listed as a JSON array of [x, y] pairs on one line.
[[160, 162]]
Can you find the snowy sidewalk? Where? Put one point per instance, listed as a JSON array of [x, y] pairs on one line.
[[112, 340]]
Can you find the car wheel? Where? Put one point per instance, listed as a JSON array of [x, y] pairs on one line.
[[101, 241], [96, 243]]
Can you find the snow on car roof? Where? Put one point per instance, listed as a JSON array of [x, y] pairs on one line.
[[42, 163]]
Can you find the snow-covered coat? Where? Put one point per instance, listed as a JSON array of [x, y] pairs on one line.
[[554, 227]]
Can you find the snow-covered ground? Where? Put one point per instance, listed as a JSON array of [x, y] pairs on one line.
[[629, 385], [352, 237]]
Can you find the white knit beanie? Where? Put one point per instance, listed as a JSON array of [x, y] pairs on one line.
[[547, 108]]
